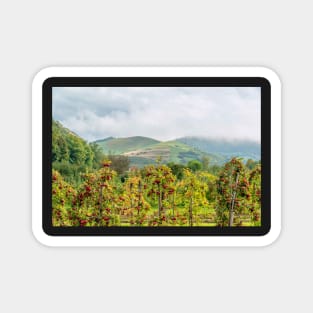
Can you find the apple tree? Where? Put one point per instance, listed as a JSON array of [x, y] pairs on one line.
[[233, 189]]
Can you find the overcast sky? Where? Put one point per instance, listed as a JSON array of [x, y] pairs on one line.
[[162, 113]]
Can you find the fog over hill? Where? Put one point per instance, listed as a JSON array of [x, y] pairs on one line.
[[238, 147]]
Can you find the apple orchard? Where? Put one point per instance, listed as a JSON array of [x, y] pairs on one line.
[[154, 196]]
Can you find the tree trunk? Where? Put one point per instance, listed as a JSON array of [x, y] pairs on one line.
[[100, 202], [131, 200], [139, 197], [232, 211], [160, 202], [190, 212]]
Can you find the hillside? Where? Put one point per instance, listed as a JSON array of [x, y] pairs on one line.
[[68, 146], [143, 151], [122, 145], [240, 148], [172, 151]]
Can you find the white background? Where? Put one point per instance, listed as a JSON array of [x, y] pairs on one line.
[[37, 34]]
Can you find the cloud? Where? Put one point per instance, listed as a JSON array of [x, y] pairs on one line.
[[162, 113]]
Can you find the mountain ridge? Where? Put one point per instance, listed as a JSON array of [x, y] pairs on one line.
[[121, 145], [144, 150], [239, 147]]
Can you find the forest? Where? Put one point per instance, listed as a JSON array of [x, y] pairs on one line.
[[93, 188]]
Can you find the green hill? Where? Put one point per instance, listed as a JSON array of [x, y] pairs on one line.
[[245, 149], [172, 151], [143, 151], [121, 145]]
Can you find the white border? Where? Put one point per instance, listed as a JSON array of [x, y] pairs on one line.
[[127, 241]]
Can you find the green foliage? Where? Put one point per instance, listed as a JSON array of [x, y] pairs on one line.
[[251, 164], [255, 191], [192, 190], [194, 165], [211, 189], [177, 169], [234, 193], [71, 155], [98, 155], [215, 169], [63, 195], [70, 172], [67, 146], [153, 196]]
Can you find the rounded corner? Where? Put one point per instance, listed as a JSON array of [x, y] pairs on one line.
[[270, 75], [41, 236], [42, 76], [271, 236]]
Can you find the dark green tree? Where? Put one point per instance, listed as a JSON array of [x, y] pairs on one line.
[[177, 169], [194, 165]]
